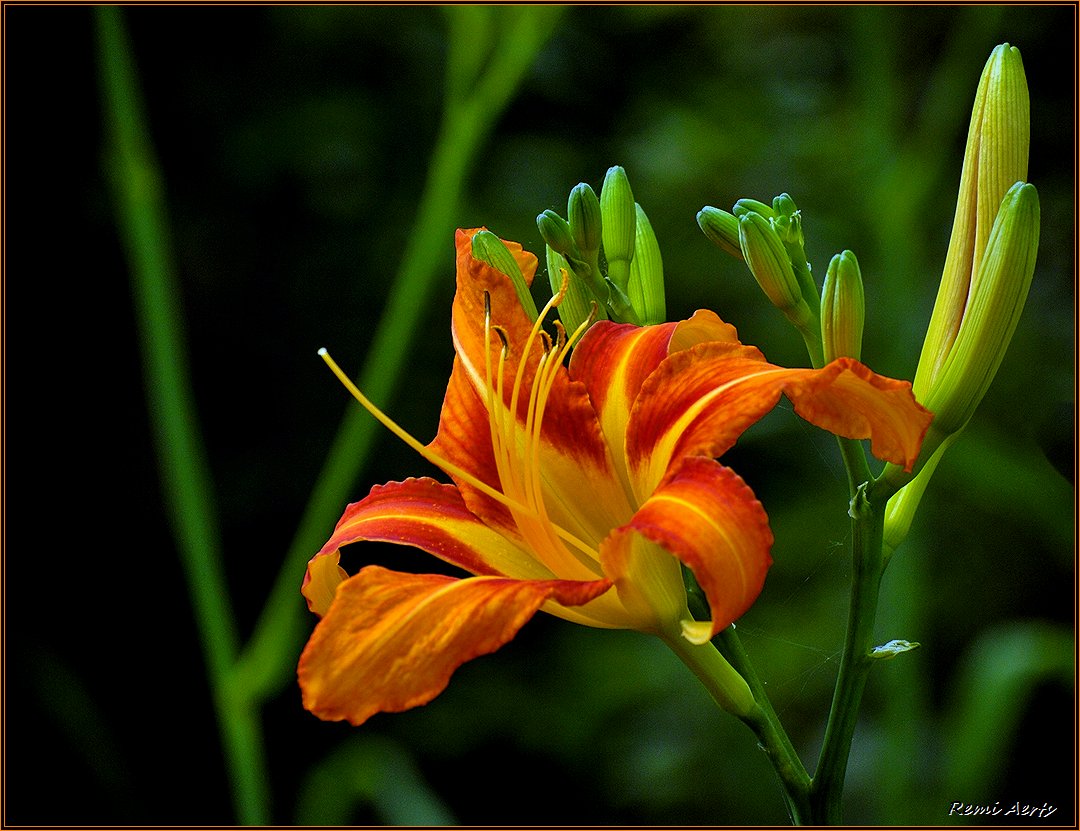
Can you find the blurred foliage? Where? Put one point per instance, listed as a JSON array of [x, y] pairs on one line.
[[294, 142]]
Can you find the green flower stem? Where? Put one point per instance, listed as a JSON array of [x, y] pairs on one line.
[[137, 191], [766, 725], [725, 685], [477, 93], [867, 525]]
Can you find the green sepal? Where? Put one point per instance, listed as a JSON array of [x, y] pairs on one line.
[[619, 307], [490, 249], [646, 289]]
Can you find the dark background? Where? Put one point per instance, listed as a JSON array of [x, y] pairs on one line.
[[294, 142]]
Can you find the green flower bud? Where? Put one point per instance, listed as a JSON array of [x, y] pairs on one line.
[[746, 206], [490, 249], [619, 219], [721, 228], [997, 299], [1000, 291], [784, 205], [583, 211], [996, 156], [646, 289], [770, 264], [842, 309], [789, 229], [578, 304], [556, 232], [986, 279]]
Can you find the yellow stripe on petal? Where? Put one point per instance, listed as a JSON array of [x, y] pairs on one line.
[[614, 360], [701, 400], [391, 641]]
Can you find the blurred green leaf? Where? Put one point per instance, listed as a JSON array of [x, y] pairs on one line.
[[994, 684], [369, 772]]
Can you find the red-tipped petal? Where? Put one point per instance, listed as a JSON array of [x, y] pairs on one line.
[[425, 514], [391, 641], [707, 517]]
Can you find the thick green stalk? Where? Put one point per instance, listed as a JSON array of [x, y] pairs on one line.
[[826, 793], [138, 197]]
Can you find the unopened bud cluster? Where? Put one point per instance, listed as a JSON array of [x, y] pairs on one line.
[[609, 252], [769, 239]]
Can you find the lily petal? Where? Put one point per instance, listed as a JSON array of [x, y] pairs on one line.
[[391, 641], [708, 518], [580, 488], [427, 515], [613, 361], [699, 401], [574, 469], [475, 281]]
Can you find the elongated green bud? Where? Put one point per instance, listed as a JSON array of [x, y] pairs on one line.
[[721, 228], [619, 218], [746, 206], [986, 279], [999, 292], [579, 302], [586, 224], [996, 156], [769, 262], [555, 231], [646, 289], [987, 327], [842, 309], [491, 250]]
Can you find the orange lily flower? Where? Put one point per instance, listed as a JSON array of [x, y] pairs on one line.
[[578, 490]]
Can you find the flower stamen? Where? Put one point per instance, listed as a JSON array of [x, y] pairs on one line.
[[516, 446], [441, 462]]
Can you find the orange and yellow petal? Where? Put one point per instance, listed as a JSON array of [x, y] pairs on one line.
[[476, 280], [391, 641], [427, 515], [613, 361], [575, 473], [708, 518], [565, 466], [699, 401]]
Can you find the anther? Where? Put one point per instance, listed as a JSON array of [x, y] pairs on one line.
[[498, 330]]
